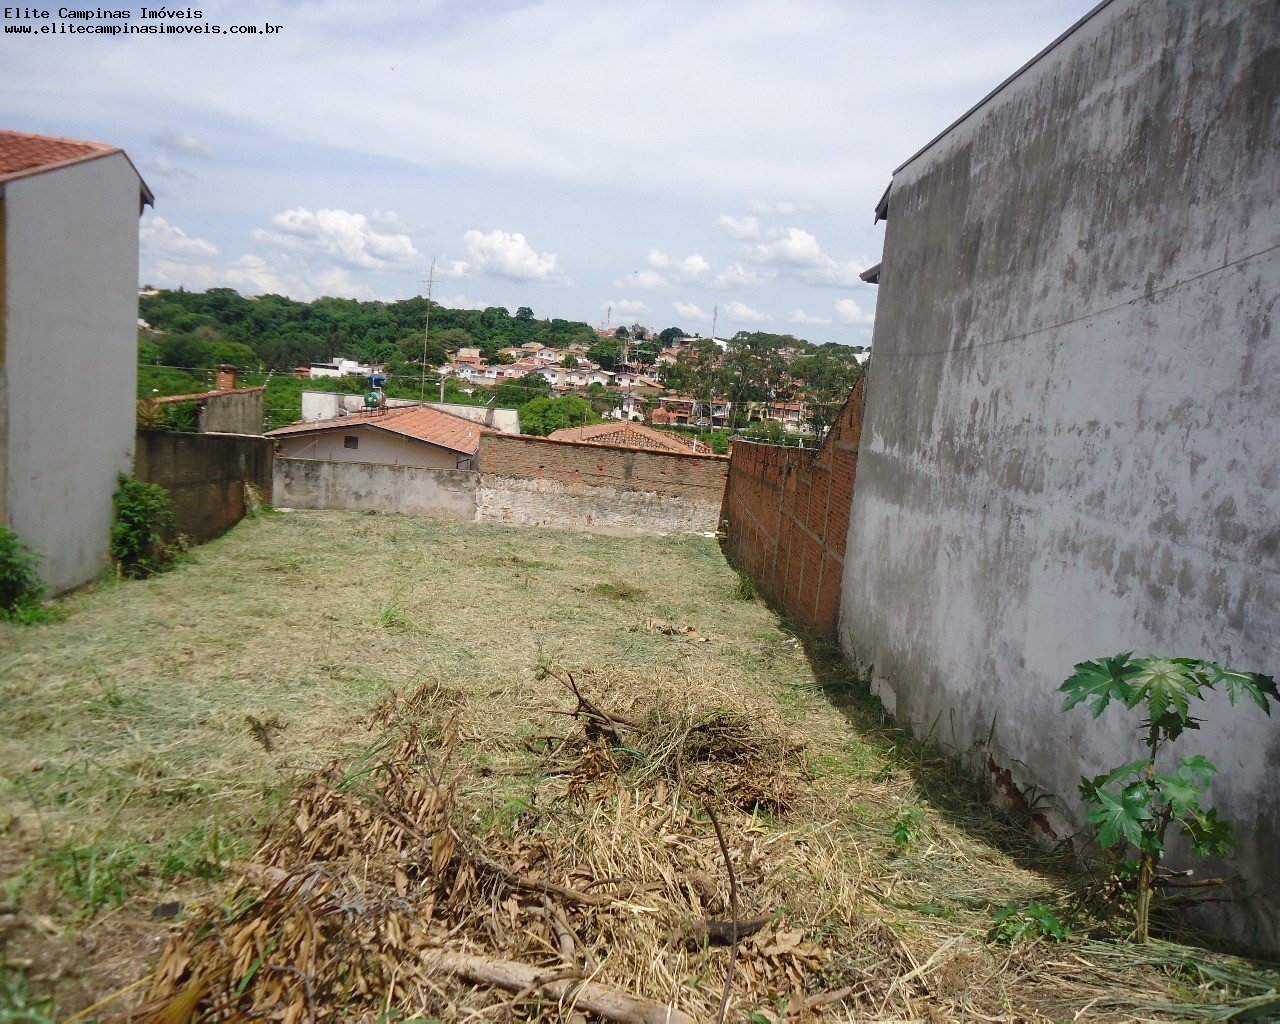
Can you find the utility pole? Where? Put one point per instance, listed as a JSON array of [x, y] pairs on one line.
[[426, 333]]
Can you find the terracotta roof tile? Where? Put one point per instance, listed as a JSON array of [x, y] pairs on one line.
[[22, 154], [423, 424], [630, 435]]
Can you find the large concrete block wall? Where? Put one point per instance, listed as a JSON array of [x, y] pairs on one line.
[[205, 475], [365, 486], [786, 514], [68, 363], [1069, 446], [533, 481]]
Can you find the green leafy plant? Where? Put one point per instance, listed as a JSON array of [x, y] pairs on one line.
[[1014, 922], [905, 825], [744, 588], [1134, 805], [143, 513], [20, 586], [17, 1005]]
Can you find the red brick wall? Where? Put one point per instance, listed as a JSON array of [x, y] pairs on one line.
[[787, 515], [670, 474]]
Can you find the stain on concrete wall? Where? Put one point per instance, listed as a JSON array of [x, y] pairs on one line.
[[205, 475], [1069, 442], [360, 487]]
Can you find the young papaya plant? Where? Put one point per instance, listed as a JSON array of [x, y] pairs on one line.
[[1134, 805]]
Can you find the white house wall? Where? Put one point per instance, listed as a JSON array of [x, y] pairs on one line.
[[375, 446], [71, 308], [1070, 441]]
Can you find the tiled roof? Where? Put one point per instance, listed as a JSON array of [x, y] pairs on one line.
[[216, 393], [22, 155], [630, 435], [420, 423]]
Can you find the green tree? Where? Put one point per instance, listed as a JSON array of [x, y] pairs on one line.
[[621, 334], [569, 362], [607, 353], [670, 335], [512, 394], [524, 313], [543, 415]]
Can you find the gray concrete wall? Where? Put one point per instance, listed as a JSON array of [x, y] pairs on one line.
[[522, 501], [505, 420], [1069, 447], [205, 475], [70, 365], [359, 487], [240, 412], [374, 446]]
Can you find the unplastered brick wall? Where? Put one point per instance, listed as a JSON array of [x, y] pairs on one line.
[[787, 514], [534, 481]]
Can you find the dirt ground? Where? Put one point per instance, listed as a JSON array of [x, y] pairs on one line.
[[340, 766]]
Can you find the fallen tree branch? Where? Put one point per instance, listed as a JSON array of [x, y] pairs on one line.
[[610, 1003], [735, 926]]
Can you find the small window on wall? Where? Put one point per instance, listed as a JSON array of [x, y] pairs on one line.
[[350, 441]]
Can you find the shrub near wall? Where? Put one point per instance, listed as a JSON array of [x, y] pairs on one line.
[[787, 515]]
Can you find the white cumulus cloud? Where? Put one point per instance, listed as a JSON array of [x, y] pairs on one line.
[[851, 314], [782, 209], [341, 235], [695, 269], [627, 307], [799, 316], [741, 228], [740, 312], [510, 255], [688, 311], [158, 239], [793, 247]]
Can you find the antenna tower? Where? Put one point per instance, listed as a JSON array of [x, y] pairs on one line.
[[426, 333]]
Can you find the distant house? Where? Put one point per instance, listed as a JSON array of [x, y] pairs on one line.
[[631, 435], [419, 436], [342, 368], [68, 344]]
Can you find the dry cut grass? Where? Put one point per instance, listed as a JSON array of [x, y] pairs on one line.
[[338, 761]]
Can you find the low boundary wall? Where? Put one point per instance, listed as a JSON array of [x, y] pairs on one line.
[[787, 517], [534, 481], [363, 486], [205, 476]]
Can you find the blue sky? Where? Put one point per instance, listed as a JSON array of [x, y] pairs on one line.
[[661, 158]]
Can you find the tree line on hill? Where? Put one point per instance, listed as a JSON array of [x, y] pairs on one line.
[[191, 332]]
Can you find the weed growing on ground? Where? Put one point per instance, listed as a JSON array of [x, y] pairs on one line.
[[906, 826], [143, 514], [20, 586], [1133, 805], [16, 1003], [1015, 922]]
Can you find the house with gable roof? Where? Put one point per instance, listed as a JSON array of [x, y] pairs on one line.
[[68, 344], [417, 436]]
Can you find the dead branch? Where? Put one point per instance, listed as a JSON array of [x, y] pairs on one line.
[[610, 1003], [733, 909]]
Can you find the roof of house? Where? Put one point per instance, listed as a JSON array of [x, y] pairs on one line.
[[201, 396], [418, 422], [630, 435], [22, 155]]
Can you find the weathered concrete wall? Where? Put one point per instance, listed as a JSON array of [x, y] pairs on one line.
[[786, 514], [205, 475], [534, 481], [236, 412], [359, 487], [70, 260], [1069, 446]]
